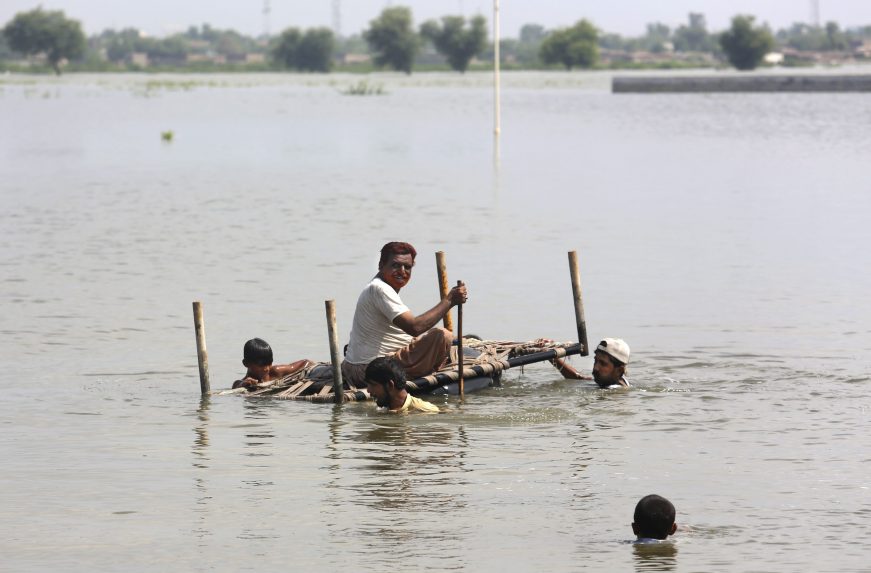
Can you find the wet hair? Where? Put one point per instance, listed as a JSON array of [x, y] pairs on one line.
[[654, 517], [257, 351], [384, 369], [395, 248]]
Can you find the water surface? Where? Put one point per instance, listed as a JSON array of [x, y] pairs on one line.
[[723, 236]]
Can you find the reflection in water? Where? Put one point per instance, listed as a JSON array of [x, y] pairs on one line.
[[655, 556], [408, 480], [583, 455], [201, 459], [402, 456], [201, 441], [259, 442]]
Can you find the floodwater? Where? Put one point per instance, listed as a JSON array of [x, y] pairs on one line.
[[725, 237]]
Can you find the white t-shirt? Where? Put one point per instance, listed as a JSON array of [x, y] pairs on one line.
[[373, 333]]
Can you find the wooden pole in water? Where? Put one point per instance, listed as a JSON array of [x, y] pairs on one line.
[[579, 303], [442, 269], [335, 356], [202, 353], [460, 344]]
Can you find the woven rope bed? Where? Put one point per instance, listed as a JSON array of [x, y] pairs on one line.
[[481, 359]]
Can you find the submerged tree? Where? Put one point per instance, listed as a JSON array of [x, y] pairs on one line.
[[46, 32], [572, 47], [392, 39], [457, 43], [745, 44]]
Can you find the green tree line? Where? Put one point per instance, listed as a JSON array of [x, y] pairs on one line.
[[394, 42]]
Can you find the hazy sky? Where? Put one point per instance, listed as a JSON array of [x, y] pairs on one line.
[[626, 17]]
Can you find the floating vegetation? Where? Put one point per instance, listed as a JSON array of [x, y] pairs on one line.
[[185, 85], [167, 135], [363, 87]]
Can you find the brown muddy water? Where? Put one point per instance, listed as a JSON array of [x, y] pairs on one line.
[[725, 237]]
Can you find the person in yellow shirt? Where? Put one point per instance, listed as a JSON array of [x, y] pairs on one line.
[[385, 380]]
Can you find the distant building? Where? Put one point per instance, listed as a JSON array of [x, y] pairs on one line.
[[773, 58], [356, 59], [139, 59]]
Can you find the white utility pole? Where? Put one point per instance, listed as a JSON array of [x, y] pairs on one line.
[[267, 9], [497, 124]]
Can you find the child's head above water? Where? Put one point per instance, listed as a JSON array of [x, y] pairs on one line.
[[257, 352], [654, 518]]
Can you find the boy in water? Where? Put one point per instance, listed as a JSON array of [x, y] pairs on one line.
[[257, 358], [385, 380], [654, 519]]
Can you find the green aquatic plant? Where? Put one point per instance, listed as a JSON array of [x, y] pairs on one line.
[[363, 87], [185, 85], [167, 135]]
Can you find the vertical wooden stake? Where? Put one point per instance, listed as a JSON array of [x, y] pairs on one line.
[[442, 269], [579, 303], [202, 353], [460, 345], [335, 356]]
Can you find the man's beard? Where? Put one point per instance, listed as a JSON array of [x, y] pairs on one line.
[[601, 382]]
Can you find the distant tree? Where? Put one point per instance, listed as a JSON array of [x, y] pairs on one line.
[[230, 44], [745, 44], [834, 37], [172, 50], [353, 44], [315, 50], [5, 50], [46, 32], [525, 48], [611, 41], [457, 43], [284, 49], [693, 37], [656, 39], [803, 37], [532, 34], [572, 47], [392, 39], [309, 52], [120, 46]]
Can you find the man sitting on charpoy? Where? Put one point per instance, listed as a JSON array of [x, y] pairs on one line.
[[384, 326]]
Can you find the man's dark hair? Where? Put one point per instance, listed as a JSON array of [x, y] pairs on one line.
[[384, 369], [257, 351], [654, 516], [396, 248]]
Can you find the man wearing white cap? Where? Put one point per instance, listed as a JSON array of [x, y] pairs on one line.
[[609, 365]]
